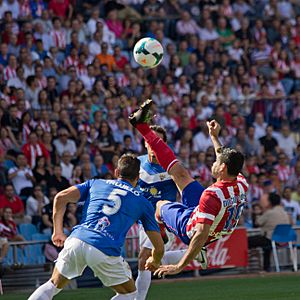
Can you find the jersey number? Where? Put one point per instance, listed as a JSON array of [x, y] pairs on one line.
[[114, 202], [234, 216]]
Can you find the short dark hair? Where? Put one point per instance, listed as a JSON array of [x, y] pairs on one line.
[[161, 130], [274, 199], [129, 167], [233, 159]]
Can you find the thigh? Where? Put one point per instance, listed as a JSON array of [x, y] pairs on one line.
[[71, 261], [111, 270], [125, 288], [191, 194], [175, 217]]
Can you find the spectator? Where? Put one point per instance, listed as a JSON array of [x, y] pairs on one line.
[[9, 199], [106, 144], [106, 59], [268, 142], [63, 143], [40, 172], [47, 211], [290, 206], [268, 221], [21, 176], [66, 165], [186, 25], [33, 149], [57, 180], [9, 227], [11, 121], [35, 204], [286, 141]]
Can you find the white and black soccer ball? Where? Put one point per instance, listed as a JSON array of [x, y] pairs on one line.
[[148, 52]]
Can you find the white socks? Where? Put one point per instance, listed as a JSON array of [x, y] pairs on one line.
[[172, 257], [130, 296], [45, 292], [142, 284]]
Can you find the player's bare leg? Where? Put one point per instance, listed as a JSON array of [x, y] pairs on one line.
[[125, 291], [51, 288]]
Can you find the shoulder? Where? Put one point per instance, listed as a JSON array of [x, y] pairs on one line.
[[212, 193]]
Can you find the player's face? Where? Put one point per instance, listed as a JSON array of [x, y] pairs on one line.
[[151, 155], [215, 169]]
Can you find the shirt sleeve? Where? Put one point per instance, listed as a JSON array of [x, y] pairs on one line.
[[208, 208], [83, 189], [147, 219]]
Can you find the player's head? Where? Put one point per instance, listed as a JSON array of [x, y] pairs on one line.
[[161, 132], [128, 168], [229, 163]]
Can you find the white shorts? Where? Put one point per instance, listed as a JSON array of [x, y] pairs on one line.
[[145, 242], [77, 255]]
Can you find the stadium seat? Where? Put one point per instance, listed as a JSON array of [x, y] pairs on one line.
[[284, 233], [27, 230]]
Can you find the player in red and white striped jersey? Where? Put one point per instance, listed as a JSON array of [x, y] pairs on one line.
[[200, 219], [220, 206]]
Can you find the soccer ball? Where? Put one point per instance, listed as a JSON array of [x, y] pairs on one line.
[[148, 52]]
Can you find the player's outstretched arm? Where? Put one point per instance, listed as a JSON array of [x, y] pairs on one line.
[[197, 242], [70, 195], [214, 129]]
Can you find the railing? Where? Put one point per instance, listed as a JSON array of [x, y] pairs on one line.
[[27, 252]]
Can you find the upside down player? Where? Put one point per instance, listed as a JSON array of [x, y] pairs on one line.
[[156, 184], [195, 222]]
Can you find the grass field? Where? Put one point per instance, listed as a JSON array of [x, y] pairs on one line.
[[283, 287]]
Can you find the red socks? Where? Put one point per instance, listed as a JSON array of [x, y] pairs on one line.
[[162, 151]]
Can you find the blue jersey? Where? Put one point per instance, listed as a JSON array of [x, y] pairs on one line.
[[110, 208], [155, 183]]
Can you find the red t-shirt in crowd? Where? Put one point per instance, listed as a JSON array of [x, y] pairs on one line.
[[8, 229], [16, 205], [59, 7]]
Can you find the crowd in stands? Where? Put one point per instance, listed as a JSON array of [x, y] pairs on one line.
[[68, 82]]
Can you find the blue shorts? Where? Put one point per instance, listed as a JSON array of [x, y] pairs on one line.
[[176, 215]]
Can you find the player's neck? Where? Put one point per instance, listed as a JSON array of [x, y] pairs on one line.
[[226, 178], [133, 183]]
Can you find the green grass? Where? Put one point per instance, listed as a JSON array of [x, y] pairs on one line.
[[284, 287]]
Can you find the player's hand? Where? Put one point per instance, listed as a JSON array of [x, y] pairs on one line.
[[214, 128], [151, 264], [58, 239], [167, 270]]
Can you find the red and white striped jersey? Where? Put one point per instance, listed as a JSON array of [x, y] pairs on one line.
[[220, 206]]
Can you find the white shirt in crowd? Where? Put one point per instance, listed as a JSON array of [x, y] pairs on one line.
[[201, 142], [32, 205], [292, 207], [66, 170], [20, 181], [287, 144], [70, 146]]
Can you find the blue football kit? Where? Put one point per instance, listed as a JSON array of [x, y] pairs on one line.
[[155, 183], [110, 208]]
